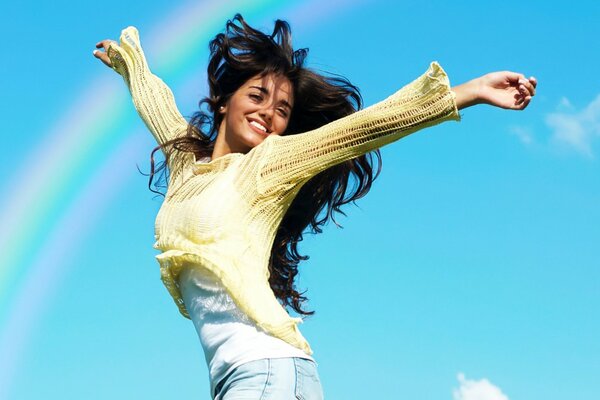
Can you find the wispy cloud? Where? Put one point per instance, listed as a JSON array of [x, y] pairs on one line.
[[565, 104], [575, 130], [477, 390], [524, 134], [571, 130]]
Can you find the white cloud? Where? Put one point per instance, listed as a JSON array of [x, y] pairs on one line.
[[576, 130], [524, 134], [565, 104], [477, 390]]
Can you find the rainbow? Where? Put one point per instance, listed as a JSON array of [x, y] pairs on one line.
[[78, 164]]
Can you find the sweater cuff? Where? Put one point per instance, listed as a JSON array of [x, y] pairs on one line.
[[438, 79], [128, 54]]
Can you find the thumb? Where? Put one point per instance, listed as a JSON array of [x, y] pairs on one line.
[[102, 56]]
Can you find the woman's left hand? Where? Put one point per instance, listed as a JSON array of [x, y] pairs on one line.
[[507, 89], [504, 89]]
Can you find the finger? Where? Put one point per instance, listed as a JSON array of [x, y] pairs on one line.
[[102, 57], [521, 93], [527, 87], [105, 43], [519, 101], [98, 55], [514, 78], [526, 102], [533, 81]]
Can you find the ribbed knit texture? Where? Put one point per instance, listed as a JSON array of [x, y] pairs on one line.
[[222, 216]]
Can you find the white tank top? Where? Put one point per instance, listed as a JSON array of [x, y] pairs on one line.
[[227, 335]]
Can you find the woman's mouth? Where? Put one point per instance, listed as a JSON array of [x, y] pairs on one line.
[[258, 127]]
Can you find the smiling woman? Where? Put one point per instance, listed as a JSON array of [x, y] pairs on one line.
[[261, 107], [271, 153]]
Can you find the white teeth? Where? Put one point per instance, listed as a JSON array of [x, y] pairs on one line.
[[259, 126]]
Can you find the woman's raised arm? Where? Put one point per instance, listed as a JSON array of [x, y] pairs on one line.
[[287, 161], [291, 160], [152, 98]]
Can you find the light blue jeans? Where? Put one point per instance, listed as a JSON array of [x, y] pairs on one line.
[[290, 378]]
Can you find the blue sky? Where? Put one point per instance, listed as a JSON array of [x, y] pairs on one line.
[[476, 251]]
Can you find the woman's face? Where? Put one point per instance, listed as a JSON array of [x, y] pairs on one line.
[[261, 107]]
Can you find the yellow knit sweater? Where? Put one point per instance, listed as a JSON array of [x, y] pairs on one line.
[[222, 216]]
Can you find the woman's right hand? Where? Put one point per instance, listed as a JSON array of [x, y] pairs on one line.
[[102, 55]]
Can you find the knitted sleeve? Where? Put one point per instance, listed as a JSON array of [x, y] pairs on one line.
[[152, 98], [289, 160]]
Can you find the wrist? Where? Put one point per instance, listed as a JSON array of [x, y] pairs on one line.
[[467, 94]]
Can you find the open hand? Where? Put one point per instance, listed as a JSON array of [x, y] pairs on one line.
[[506, 89]]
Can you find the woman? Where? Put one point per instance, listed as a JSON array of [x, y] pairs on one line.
[[275, 145]]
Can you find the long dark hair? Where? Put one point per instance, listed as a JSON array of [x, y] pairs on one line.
[[238, 54]]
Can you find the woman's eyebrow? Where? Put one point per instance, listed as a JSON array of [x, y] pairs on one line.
[[262, 89], [266, 92]]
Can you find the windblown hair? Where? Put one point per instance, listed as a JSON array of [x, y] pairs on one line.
[[238, 54]]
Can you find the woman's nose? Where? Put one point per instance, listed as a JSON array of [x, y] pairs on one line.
[[266, 113]]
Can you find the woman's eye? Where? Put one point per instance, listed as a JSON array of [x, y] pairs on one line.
[[256, 97], [282, 112]]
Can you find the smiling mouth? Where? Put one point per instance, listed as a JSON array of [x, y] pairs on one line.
[[258, 127]]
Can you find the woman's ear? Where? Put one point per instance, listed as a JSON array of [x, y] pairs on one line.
[[222, 109]]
